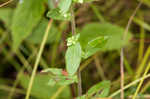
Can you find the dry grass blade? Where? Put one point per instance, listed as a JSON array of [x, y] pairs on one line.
[[6, 3]]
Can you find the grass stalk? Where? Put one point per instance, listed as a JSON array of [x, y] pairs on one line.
[[142, 80], [38, 59], [142, 65], [141, 45], [58, 92]]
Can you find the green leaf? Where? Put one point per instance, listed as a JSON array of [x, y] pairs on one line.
[[66, 80], [26, 16], [73, 58], [6, 16], [41, 89], [95, 45], [57, 77], [102, 87], [54, 71], [38, 33], [57, 15], [64, 6], [113, 32]]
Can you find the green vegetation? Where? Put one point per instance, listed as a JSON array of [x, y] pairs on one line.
[[74, 49]]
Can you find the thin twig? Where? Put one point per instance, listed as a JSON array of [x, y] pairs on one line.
[[73, 27], [122, 54], [38, 59], [79, 84], [6, 3], [130, 20], [122, 73]]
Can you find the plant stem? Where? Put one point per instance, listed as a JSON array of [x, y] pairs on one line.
[[38, 59], [122, 73], [122, 54], [79, 84], [73, 27]]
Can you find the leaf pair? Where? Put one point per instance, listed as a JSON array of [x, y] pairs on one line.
[[95, 45], [93, 37], [75, 53], [57, 77], [61, 12]]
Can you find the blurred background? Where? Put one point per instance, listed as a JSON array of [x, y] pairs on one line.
[[15, 67]]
